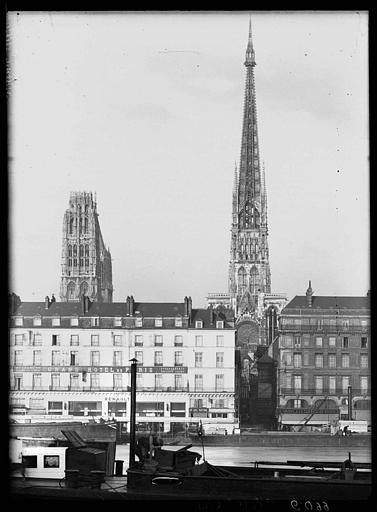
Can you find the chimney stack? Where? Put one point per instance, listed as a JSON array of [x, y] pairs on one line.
[[83, 303], [189, 307], [53, 298], [47, 302], [132, 306], [128, 305], [211, 315], [309, 295], [185, 301]]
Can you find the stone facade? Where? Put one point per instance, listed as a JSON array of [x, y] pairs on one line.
[[86, 262]]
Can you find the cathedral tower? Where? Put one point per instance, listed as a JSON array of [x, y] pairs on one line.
[[86, 263], [249, 269]]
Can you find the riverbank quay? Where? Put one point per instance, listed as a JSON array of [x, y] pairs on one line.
[[276, 439], [43, 493]]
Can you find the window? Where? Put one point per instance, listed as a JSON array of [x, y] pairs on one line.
[[332, 384], [117, 340], [198, 359], [345, 324], [219, 403], [94, 340], [30, 461], [332, 360], [297, 382], [74, 358], [198, 382], [95, 321], [19, 339], [345, 342], [345, 360], [139, 381], [178, 382], [55, 322], [18, 357], [297, 404], [297, 341], [219, 324], [318, 360], [55, 382], [158, 341], [345, 384], [306, 340], [117, 358], [297, 360], [138, 340], [178, 409], [74, 340], [18, 321], [364, 342], [94, 358], [74, 322], [85, 408], [37, 321], [37, 339], [219, 382], [178, 358], [318, 341], [364, 384], [138, 322], [74, 381], [37, 380], [158, 358], [318, 379], [54, 407], [117, 408], [306, 358], [198, 341], [178, 321], [364, 323], [117, 380], [94, 380], [319, 323], [55, 340], [51, 461], [178, 341], [219, 341], [198, 324], [219, 359], [117, 322], [332, 341], [158, 381], [37, 355], [158, 322], [18, 382], [139, 357], [363, 361]]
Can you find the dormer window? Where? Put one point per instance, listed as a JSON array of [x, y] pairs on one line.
[[198, 324], [95, 321], [55, 322], [158, 322], [37, 321], [117, 322], [220, 324], [138, 322], [19, 321], [74, 322], [178, 321]]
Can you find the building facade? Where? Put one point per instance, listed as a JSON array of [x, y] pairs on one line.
[[86, 262], [323, 353], [70, 361]]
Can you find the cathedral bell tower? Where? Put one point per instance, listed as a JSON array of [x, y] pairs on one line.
[[249, 269], [86, 263]]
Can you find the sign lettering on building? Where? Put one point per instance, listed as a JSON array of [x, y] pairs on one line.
[[101, 369]]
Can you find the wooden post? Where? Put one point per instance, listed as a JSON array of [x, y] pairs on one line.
[[132, 413]]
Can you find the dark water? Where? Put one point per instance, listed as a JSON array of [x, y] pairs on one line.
[[244, 455]]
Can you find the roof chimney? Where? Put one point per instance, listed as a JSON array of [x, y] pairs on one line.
[[211, 315], [14, 302], [86, 303], [47, 302], [309, 295], [53, 298], [185, 300], [132, 306], [128, 305], [189, 307], [83, 304]]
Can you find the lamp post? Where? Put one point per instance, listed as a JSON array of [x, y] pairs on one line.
[[131, 461]]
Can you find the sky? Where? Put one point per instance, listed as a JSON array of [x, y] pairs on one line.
[[145, 109]]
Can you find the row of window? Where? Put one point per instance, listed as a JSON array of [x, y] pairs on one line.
[[295, 382], [56, 358], [118, 383], [321, 360], [288, 341], [117, 322], [117, 340], [345, 323]]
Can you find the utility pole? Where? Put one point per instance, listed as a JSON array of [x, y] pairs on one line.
[[132, 413]]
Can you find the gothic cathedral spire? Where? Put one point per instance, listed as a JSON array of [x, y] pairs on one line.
[[249, 270], [86, 263]]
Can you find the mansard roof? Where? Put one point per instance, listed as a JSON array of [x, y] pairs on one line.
[[328, 302]]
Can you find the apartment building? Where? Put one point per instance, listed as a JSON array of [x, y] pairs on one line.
[[71, 361], [323, 355]]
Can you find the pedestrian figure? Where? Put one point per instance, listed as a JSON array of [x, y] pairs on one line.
[[345, 430]]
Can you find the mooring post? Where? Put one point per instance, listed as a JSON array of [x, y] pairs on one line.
[[132, 413]]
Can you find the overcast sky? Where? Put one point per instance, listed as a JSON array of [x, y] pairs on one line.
[[146, 111]]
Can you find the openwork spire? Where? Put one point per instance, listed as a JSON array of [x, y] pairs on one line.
[[250, 55]]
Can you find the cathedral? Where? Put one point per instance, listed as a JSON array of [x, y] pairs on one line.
[[86, 262]]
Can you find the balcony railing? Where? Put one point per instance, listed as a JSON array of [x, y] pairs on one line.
[[290, 410], [323, 391], [153, 389]]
